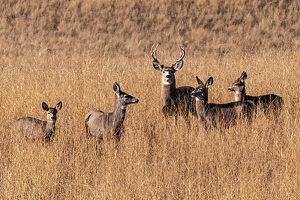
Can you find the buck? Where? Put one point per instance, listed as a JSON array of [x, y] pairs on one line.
[[174, 101], [270, 104], [35, 129], [107, 126], [213, 115]]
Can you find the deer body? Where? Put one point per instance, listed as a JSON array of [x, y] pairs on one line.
[[109, 125], [174, 101], [35, 129], [224, 115], [270, 104]]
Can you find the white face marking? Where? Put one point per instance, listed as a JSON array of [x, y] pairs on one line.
[[50, 117], [167, 73], [167, 81], [197, 99]]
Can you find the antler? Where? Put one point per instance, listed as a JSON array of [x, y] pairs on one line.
[[154, 53], [182, 53]]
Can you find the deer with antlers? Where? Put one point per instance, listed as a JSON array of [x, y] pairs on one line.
[[174, 101]]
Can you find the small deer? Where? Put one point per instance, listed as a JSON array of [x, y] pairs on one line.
[[270, 103], [219, 115], [174, 101], [107, 126], [35, 129]]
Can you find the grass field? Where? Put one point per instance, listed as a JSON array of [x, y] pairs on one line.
[[155, 159]]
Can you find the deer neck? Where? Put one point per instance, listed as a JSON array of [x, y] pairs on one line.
[[200, 108], [119, 111], [50, 127], [240, 95], [168, 93]]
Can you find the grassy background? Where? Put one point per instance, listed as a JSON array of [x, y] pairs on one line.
[[132, 27], [57, 51]]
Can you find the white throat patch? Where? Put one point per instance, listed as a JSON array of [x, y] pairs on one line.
[[167, 83], [124, 107], [237, 96], [124, 111]]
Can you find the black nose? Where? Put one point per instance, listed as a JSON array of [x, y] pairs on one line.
[[168, 76]]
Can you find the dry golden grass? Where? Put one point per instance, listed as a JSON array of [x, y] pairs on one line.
[[131, 27], [155, 159], [72, 51]]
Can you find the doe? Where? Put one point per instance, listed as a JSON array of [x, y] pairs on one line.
[[270, 104], [213, 115], [106, 126], [35, 129]]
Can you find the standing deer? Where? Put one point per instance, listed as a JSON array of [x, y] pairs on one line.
[[270, 103], [174, 101], [219, 115], [35, 129], [106, 126]]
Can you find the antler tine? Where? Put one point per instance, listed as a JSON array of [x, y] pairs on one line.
[[182, 53], [154, 52]]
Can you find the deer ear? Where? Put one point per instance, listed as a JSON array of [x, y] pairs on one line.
[[199, 81], [178, 65], [209, 82], [45, 106], [58, 106], [116, 87], [243, 76], [157, 65]]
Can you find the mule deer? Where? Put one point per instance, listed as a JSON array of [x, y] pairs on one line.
[[219, 115], [174, 101], [35, 129], [109, 125], [270, 103]]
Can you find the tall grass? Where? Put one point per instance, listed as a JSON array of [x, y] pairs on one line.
[[73, 51], [155, 159], [131, 27]]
